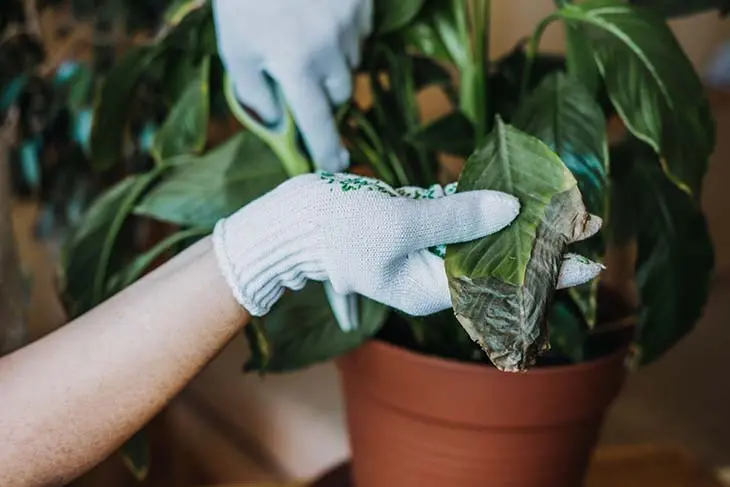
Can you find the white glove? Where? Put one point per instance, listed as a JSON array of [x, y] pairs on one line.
[[309, 48], [357, 233]]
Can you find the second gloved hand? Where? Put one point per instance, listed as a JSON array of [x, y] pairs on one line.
[[359, 234], [308, 48]]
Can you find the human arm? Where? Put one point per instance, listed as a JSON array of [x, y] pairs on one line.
[[74, 396], [71, 398]]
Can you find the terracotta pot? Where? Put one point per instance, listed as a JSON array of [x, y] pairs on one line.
[[420, 421]]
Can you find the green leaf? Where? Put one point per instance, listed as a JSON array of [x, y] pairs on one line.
[[197, 191], [185, 129], [505, 82], [452, 134], [30, 164], [87, 252], [652, 84], [678, 8], [581, 64], [80, 89], [564, 115], [179, 9], [437, 33], [136, 455], [12, 91], [391, 16], [301, 331], [113, 104], [675, 261], [501, 284]]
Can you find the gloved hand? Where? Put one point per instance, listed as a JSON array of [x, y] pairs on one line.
[[357, 233], [308, 48]]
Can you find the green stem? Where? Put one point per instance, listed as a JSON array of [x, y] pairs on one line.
[[473, 80], [282, 141], [400, 172], [532, 49]]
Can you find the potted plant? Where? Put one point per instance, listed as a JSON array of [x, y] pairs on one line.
[[425, 404]]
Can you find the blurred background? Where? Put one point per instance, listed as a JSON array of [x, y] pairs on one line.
[[227, 426]]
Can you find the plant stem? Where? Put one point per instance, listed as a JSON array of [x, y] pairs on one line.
[[282, 140], [532, 49], [473, 79]]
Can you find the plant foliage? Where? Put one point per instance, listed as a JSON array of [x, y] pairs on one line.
[[158, 127]]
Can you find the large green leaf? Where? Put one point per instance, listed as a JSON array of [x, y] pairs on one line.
[[579, 58], [391, 16], [675, 261], [113, 104], [652, 84], [502, 284], [199, 190], [185, 128], [452, 134], [564, 115], [301, 331], [678, 8], [88, 251]]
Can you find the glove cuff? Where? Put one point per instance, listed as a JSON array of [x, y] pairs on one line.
[[231, 272], [259, 259]]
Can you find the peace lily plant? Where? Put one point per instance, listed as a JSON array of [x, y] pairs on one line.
[[622, 62]]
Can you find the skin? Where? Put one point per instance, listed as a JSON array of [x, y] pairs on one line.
[[73, 397]]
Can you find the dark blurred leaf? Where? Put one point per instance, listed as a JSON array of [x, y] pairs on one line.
[[113, 104], [391, 16], [199, 190], [675, 261], [652, 84], [185, 128], [136, 269], [505, 82], [678, 8], [136, 455], [11, 92], [427, 72], [80, 92], [87, 251], [316, 336], [564, 115], [178, 9], [568, 332], [435, 33], [30, 164], [452, 134]]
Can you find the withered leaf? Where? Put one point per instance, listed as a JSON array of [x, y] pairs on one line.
[[501, 285]]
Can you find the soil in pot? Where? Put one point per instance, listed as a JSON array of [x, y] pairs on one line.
[[422, 421]]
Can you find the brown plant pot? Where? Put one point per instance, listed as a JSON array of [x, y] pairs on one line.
[[420, 421]]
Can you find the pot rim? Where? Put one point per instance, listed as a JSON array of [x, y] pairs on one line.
[[423, 360]]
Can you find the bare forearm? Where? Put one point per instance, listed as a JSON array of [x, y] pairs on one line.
[[73, 397]]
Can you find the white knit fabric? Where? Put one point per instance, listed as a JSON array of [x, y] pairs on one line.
[[309, 48], [359, 234]]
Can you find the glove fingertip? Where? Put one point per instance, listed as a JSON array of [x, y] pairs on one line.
[[577, 270]]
